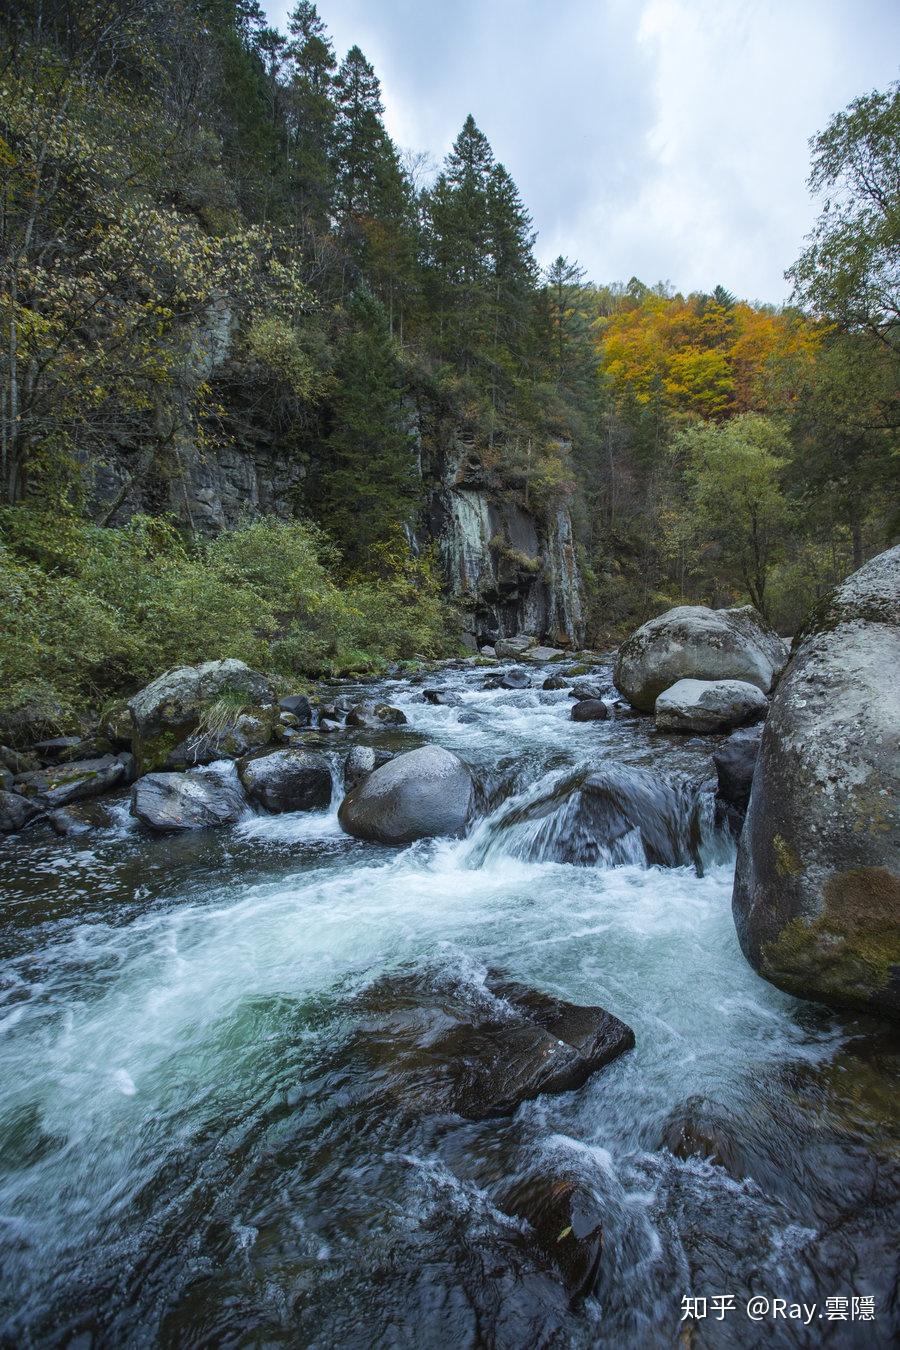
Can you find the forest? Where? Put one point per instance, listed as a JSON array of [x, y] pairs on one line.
[[176, 176]]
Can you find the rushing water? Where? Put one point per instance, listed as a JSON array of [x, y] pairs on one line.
[[190, 1153]]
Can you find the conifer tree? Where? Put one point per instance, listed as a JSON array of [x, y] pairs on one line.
[[311, 114], [369, 481]]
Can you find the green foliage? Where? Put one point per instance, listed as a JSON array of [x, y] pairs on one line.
[[93, 611]]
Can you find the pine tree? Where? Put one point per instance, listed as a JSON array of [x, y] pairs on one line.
[[311, 114], [361, 136], [460, 226], [369, 481]]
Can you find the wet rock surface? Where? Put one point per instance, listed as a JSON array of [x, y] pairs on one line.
[[437, 1047], [172, 802], [817, 886], [419, 794], [287, 780], [735, 762], [589, 710], [76, 780]]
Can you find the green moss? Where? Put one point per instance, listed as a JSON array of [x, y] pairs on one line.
[[851, 952]]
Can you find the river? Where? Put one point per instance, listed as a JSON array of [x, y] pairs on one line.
[[190, 1154]]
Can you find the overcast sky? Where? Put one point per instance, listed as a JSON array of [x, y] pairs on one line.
[[664, 139]]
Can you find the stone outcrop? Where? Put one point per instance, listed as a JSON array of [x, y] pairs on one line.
[[168, 712], [692, 642], [817, 886]]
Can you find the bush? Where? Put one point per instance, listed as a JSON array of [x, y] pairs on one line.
[[94, 612]]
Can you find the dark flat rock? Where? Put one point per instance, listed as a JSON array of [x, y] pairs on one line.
[[441, 1047]]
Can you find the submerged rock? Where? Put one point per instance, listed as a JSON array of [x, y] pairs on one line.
[[708, 706], [589, 710], [168, 711], [173, 802], [694, 642], [418, 794], [287, 780], [564, 1221], [438, 1046], [817, 886]]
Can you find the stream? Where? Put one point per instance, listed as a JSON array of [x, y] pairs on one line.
[[190, 1154]]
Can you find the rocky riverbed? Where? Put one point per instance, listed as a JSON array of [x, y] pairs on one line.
[[273, 1083]]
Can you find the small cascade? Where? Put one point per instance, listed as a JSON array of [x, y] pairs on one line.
[[611, 816]]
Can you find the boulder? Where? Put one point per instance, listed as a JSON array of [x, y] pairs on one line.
[[17, 761], [373, 716], [693, 642], [169, 710], [299, 706], [174, 802], [590, 710], [489, 652], [287, 780], [735, 762], [16, 811], [515, 679], [61, 748], [555, 682], [817, 886], [512, 648], [709, 705], [582, 690], [441, 698], [248, 731], [436, 1045], [76, 781], [418, 794], [361, 761]]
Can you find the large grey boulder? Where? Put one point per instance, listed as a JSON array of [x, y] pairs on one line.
[[513, 647], [288, 780], [424, 792], [692, 642], [175, 802], [76, 781], [168, 711], [817, 887], [709, 705], [361, 761]]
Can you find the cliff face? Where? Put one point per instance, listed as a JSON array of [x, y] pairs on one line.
[[514, 569]]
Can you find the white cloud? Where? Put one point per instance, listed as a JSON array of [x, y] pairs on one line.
[[660, 138]]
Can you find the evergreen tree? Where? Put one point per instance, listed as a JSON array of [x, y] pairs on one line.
[[361, 137], [311, 114], [369, 480], [460, 225]]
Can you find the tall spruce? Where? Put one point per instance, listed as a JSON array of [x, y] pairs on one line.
[[311, 114], [369, 477]]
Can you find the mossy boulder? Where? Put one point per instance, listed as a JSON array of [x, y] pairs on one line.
[[692, 642], [192, 701], [817, 887]]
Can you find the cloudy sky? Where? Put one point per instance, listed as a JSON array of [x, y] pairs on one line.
[[664, 139]]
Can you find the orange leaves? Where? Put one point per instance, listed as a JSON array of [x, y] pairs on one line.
[[700, 357]]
